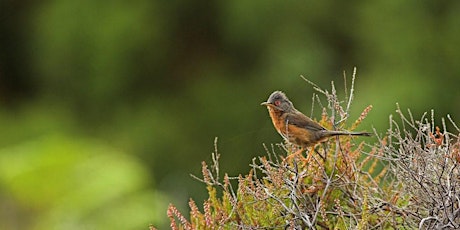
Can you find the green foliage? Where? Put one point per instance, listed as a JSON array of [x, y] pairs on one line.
[[62, 182], [102, 38]]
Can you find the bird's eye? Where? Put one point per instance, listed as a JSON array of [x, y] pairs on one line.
[[277, 102]]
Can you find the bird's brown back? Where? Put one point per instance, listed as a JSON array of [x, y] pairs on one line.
[[296, 127]]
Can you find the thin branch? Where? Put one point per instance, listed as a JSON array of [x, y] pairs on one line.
[[352, 89], [453, 123]]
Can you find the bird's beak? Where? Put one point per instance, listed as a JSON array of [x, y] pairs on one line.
[[265, 103]]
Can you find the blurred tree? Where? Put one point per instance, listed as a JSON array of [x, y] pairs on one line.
[[15, 80], [59, 182], [88, 53]]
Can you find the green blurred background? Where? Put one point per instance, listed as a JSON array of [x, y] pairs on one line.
[[106, 107]]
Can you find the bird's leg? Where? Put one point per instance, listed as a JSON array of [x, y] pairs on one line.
[[325, 152], [309, 156], [296, 153]]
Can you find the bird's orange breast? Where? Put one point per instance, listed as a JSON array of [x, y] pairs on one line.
[[277, 120]]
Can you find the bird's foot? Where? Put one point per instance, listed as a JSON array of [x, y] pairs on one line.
[[297, 154]]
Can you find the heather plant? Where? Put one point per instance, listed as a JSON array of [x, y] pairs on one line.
[[425, 163], [408, 179]]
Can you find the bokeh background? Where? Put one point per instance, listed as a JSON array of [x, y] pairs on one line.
[[106, 107]]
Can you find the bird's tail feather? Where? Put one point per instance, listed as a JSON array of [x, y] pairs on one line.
[[330, 133]]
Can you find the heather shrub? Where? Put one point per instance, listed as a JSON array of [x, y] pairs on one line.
[[408, 178]]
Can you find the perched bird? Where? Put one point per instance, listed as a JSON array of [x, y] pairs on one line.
[[297, 128]]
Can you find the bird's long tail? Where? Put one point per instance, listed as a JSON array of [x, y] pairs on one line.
[[331, 133]]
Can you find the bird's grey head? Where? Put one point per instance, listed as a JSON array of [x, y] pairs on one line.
[[278, 100]]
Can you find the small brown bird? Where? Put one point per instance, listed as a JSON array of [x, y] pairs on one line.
[[297, 128]]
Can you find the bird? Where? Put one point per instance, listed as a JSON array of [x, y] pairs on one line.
[[295, 127]]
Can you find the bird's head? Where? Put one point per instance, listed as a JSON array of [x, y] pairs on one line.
[[278, 101]]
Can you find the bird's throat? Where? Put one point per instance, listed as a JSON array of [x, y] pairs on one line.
[[276, 116]]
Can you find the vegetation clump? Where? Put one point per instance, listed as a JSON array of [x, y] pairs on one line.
[[409, 179]]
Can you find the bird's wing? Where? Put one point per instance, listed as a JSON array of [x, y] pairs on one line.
[[302, 121]]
